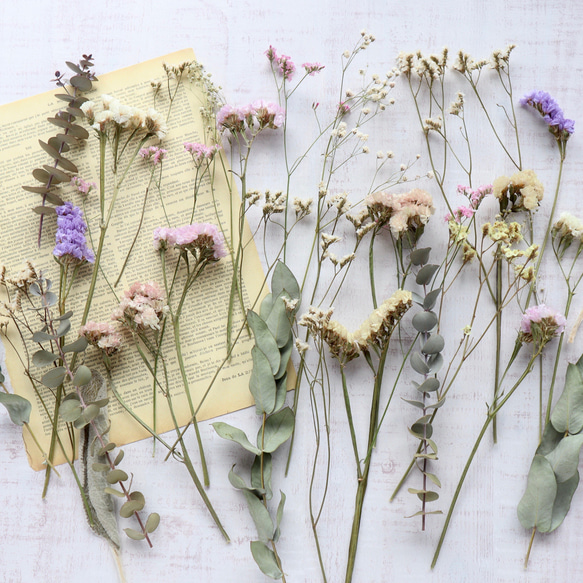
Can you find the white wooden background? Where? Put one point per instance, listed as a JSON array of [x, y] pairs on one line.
[[48, 540]]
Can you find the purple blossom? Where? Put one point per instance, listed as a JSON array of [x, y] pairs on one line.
[[71, 244], [540, 323], [254, 116], [551, 112], [286, 67]]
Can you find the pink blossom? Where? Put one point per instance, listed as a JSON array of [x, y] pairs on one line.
[[540, 323], [475, 196], [286, 67], [271, 53], [197, 238], [154, 154], [82, 186], [142, 306], [103, 335], [460, 213], [312, 68], [230, 118], [268, 114], [201, 152], [343, 108]]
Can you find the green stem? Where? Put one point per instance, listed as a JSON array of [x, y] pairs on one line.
[[498, 336], [350, 422], [489, 418]]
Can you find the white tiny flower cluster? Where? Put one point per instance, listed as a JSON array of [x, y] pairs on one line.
[[302, 206], [339, 201], [275, 203]]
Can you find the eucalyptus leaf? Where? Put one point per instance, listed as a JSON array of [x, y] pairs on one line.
[[65, 316], [119, 457], [266, 306], [99, 467], [564, 459], [256, 481], [264, 340], [427, 495], [18, 407], [419, 300], [239, 483], [436, 405], [43, 357], [567, 415], [54, 377], [425, 274], [106, 448], [429, 385], [56, 174], [423, 430], [433, 478], [420, 256], [78, 346], [435, 362], [134, 534], [535, 509], [279, 323], [50, 299], [260, 516], [431, 298], [418, 364], [114, 492], [550, 439], [283, 279], [44, 210], [278, 429], [81, 82], [116, 476], [129, 508], [285, 354], [152, 522], [262, 384], [41, 336], [424, 321], [82, 376], [70, 409], [417, 404], [565, 491], [231, 433], [265, 559], [280, 393], [280, 507], [434, 344], [63, 328]]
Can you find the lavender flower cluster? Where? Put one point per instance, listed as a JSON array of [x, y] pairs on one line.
[[552, 114], [71, 246]]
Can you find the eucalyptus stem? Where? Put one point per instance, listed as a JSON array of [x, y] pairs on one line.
[[498, 335]]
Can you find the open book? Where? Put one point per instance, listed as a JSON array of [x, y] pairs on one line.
[[204, 321]]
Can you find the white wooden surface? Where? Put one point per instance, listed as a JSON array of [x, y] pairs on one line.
[[48, 540]]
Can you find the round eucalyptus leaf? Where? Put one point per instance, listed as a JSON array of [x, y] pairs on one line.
[[82, 376], [429, 385], [116, 476], [49, 299], [98, 467], [41, 336], [423, 429], [418, 364], [63, 328], [119, 457], [417, 299], [420, 256], [70, 409], [44, 210], [434, 344], [417, 404], [431, 298], [78, 346], [129, 508], [114, 492], [18, 407], [435, 362], [56, 174], [81, 83], [65, 316], [424, 321], [43, 357], [152, 522], [134, 534], [426, 273], [564, 459], [54, 377], [106, 448]]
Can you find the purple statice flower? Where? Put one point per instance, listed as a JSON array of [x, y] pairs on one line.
[[82, 186], [460, 213], [153, 154], [551, 112], [540, 324], [271, 54], [71, 246], [286, 67]]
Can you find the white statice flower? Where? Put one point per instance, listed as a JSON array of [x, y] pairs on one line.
[[328, 240], [155, 124]]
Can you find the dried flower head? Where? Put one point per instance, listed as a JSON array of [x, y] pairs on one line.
[[143, 306], [560, 126], [540, 324], [103, 335], [153, 154], [71, 246], [522, 191], [203, 240]]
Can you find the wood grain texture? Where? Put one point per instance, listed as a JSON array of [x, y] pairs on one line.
[[48, 541]]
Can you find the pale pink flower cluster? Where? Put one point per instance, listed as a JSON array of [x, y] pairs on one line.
[[405, 211], [254, 117], [198, 237], [81, 185], [540, 323], [201, 152], [103, 335], [142, 306], [523, 189], [460, 213], [312, 68], [475, 195], [153, 154], [283, 63]]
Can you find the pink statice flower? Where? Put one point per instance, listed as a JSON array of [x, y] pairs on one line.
[[286, 67], [201, 152], [540, 324], [271, 54], [142, 307], [460, 213], [312, 68], [203, 240], [103, 335], [153, 154], [230, 118], [343, 108], [268, 114], [475, 195], [254, 117], [82, 186]]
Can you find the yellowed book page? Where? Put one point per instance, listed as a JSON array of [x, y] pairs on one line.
[[204, 321]]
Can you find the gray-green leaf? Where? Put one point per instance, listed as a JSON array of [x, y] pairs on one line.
[[564, 459], [283, 279], [568, 412], [565, 491], [420, 256], [231, 433], [264, 340], [262, 383], [260, 516], [418, 364], [265, 559], [536, 507], [278, 322], [431, 298], [43, 357], [278, 429], [434, 344], [18, 407], [424, 321], [54, 377], [425, 274], [256, 474]]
